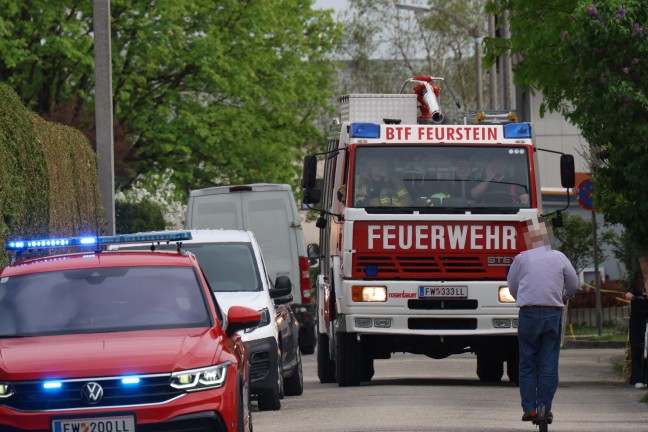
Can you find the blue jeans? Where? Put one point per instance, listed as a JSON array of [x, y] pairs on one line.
[[539, 334]]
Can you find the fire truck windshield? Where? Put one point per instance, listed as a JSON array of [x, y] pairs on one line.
[[456, 177]]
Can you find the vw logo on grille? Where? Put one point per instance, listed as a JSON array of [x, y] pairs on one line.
[[92, 392]]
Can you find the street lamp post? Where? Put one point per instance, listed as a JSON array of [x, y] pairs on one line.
[[104, 109], [474, 32]]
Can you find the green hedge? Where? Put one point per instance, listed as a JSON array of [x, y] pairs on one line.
[[48, 180]]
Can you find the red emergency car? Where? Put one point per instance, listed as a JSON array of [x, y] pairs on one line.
[[118, 341]]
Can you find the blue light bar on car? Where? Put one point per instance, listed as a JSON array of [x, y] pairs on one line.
[[365, 130], [517, 130], [138, 238], [50, 243], [104, 240]]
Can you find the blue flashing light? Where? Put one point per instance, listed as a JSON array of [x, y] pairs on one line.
[[130, 380], [371, 270], [365, 130], [517, 130], [52, 385], [89, 241]]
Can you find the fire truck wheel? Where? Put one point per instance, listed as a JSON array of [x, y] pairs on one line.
[[513, 368], [325, 366], [349, 360], [367, 368], [490, 368]]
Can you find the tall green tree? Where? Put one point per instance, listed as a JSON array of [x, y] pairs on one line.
[[219, 91], [589, 59]]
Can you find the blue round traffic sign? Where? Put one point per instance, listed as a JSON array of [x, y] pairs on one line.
[[584, 194]]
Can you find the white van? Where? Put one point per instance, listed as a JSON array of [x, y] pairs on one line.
[[270, 212]]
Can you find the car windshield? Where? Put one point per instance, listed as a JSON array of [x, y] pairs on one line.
[[441, 178], [101, 300], [228, 267]]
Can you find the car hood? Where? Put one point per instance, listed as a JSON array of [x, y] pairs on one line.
[[108, 354], [256, 300]]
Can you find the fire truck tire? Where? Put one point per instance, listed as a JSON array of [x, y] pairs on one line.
[[513, 368], [490, 368], [349, 360], [367, 368], [325, 366]]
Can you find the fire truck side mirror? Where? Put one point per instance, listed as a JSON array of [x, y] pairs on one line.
[[309, 173], [311, 196], [313, 252], [567, 171]]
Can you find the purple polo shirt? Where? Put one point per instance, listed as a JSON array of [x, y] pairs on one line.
[[540, 277]]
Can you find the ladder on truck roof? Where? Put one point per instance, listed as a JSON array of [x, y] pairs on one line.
[[487, 117]]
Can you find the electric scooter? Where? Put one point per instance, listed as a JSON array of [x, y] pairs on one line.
[[540, 419]]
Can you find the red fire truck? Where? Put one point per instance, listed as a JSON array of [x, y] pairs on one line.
[[420, 219]]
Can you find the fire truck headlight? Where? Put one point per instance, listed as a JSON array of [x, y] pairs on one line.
[[369, 293], [505, 296]]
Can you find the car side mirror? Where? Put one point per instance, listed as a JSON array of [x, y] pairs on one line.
[[241, 318], [282, 287], [284, 300]]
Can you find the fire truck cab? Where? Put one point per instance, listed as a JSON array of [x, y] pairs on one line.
[[420, 219]]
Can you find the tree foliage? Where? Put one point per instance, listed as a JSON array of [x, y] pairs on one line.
[[590, 61], [384, 46], [220, 92], [575, 239]]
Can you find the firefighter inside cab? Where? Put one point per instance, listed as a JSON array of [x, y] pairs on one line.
[[377, 185]]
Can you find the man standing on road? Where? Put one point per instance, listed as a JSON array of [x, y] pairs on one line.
[[540, 280]]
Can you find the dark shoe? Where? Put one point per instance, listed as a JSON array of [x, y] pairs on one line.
[[529, 415]]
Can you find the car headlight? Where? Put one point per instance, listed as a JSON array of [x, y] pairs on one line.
[[265, 320], [6, 390], [200, 379], [504, 295]]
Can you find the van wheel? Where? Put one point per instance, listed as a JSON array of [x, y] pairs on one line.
[[294, 384], [325, 366]]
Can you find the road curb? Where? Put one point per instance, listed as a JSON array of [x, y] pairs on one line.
[[570, 344]]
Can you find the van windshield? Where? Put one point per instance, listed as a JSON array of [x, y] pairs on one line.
[[228, 267]]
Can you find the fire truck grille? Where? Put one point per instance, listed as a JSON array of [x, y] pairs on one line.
[[418, 267], [450, 304], [442, 323]]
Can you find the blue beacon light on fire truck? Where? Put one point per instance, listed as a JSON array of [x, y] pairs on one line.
[[517, 130], [365, 130], [18, 245]]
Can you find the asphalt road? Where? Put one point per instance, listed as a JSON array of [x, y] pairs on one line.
[[415, 393]]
